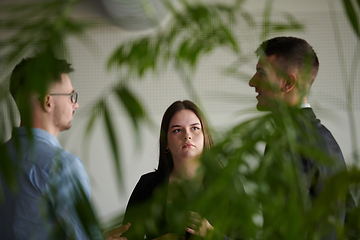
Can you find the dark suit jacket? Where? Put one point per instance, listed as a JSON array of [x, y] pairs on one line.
[[316, 169], [330, 147]]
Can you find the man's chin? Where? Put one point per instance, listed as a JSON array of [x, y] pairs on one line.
[[67, 127], [263, 107]]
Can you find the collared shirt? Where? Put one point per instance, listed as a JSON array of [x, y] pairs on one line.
[[305, 105], [51, 183]]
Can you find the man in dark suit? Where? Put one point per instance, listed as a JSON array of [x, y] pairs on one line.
[[286, 69]]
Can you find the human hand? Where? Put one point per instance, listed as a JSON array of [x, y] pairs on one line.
[[169, 236], [115, 234], [198, 225]]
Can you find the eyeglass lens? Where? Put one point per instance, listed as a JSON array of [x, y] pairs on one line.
[[74, 97]]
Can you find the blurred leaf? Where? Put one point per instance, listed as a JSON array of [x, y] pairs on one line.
[[100, 109], [114, 146], [195, 31], [139, 56], [95, 113], [230, 38], [352, 15], [248, 18], [7, 170], [292, 25], [266, 20], [132, 105], [183, 50], [40, 26], [117, 57], [85, 212], [197, 13]]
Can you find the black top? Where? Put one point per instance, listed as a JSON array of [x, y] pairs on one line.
[[148, 209], [151, 214]]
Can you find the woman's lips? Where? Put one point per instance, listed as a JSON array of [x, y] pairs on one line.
[[188, 145]]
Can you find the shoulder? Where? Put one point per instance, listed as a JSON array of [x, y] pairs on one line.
[[150, 176], [64, 168], [65, 163], [328, 143], [149, 180], [68, 176], [145, 186], [69, 160], [51, 158], [325, 134], [331, 144]]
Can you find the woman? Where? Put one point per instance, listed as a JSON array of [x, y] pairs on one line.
[[160, 205]]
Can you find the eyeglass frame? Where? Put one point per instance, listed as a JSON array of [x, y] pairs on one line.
[[67, 94]]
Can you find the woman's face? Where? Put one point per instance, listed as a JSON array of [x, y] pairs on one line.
[[185, 138]]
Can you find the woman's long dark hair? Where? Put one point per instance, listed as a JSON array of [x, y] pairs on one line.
[[165, 159]]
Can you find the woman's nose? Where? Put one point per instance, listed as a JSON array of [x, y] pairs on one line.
[[187, 136]]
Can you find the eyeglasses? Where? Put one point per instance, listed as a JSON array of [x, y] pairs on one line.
[[73, 96]]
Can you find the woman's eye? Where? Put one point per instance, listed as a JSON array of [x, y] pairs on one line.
[[176, 130], [195, 128]]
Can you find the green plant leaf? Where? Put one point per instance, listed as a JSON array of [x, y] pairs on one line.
[[352, 15], [7, 171], [132, 105], [266, 19], [117, 58], [113, 140], [100, 109], [230, 38], [85, 212], [291, 25], [198, 13], [95, 113], [248, 18]]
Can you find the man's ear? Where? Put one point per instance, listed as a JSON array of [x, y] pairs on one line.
[[47, 104], [289, 82]]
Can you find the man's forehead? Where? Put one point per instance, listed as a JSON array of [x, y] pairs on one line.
[[268, 63], [65, 82]]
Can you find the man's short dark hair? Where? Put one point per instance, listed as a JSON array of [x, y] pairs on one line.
[[36, 75], [291, 52]]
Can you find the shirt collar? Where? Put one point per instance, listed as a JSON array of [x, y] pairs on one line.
[[305, 105], [39, 133]]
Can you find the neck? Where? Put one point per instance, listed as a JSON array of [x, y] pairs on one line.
[[294, 100], [40, 119], [187, 170], [304, 100], [44, 127]]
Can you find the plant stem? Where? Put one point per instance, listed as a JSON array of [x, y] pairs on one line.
[[347, 83]]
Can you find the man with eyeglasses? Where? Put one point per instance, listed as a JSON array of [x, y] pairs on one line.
[[51, 183]]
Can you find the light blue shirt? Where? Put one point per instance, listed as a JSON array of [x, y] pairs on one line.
[[51, 181]]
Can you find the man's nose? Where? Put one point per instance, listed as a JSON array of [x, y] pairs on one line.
[[252, 82], [76, 105]]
